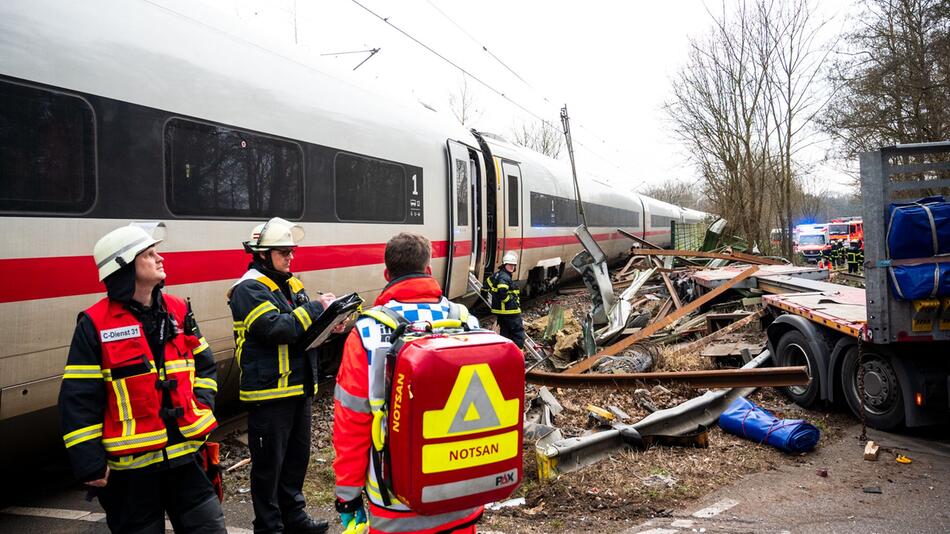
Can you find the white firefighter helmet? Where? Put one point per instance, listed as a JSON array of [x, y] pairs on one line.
[[510, 258], [275, 233], [119, 248]]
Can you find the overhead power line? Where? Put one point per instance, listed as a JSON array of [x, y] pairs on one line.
[[515, 74], [483, 47], [482, 82], [450, 62]]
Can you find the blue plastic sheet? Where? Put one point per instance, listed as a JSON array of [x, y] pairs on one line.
[[747, 420]]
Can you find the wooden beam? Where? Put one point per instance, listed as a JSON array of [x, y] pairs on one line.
[[656, 326], [669, 284], [626, 267], [753, 258], [664, 309], [696, 254], [728, 329]]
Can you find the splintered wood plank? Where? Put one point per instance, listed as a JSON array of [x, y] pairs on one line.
[[656, 326]]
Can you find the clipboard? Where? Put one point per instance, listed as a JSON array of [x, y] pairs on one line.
[[344, 310]]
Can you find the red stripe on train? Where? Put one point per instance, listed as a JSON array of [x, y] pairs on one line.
[[62, 276]]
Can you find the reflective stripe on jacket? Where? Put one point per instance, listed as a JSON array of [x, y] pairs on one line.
[[267, 327], [505, 297], [134, 383], [417, 298], [109, 397]]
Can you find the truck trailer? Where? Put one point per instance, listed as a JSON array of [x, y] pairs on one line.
[[886, 357]]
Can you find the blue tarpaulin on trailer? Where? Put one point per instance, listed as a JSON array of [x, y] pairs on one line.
[[918, 229], [747, 420]]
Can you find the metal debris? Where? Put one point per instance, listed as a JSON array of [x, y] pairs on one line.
[[556, 457], [718, 378], [545, 394]]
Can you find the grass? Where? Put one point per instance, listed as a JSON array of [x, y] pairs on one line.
[[319, 484]]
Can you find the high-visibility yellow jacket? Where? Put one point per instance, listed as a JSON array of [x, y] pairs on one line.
[[505, 296], [268, 324]]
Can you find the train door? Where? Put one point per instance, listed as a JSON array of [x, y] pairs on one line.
[[512, 190], [459, 244], [477, 211]]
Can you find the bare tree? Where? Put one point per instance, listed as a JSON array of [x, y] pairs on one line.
[[744, 104], [794, 100], [892, 79], [463, 104], [678, 192], [717, 99], [539, 136]]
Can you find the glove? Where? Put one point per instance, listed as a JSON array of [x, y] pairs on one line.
[[352, 515]]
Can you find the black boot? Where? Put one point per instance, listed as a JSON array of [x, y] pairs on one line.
[[308, 526]]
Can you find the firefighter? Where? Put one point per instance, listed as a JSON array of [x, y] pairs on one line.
[[839, 253], [137, 396], [825, 259], [505, 301], [272, 313], [412, 292], [861, 256], [853, 259]]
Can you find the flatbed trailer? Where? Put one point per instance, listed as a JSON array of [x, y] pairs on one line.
[[887, 359]]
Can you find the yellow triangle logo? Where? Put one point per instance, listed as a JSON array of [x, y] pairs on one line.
[[475, 404], [472, 413]]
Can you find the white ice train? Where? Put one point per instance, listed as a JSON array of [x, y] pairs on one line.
[[121, 111]]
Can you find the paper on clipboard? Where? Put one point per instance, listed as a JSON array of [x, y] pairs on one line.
[[344, 310]]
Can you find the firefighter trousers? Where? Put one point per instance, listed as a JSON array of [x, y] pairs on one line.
[[137, 502], [512, 327], [278, 434]]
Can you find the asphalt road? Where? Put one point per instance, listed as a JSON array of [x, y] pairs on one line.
[[913, 498]]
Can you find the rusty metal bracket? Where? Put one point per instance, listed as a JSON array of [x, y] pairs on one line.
[[715, 378]]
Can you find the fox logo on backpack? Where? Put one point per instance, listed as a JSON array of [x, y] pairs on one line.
[[447, 405]]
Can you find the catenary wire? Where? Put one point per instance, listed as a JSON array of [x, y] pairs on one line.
[[482, 82]]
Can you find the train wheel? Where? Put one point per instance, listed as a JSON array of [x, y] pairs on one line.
[[883, 398], [793, 350]]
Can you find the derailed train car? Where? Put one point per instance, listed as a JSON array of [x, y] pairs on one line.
[[113, 112]]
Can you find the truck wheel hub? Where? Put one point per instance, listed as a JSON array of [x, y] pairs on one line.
[[877, 385]]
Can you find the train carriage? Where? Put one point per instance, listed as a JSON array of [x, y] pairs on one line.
[[112, 112]]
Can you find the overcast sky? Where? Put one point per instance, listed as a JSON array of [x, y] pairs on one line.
[[611, 62]]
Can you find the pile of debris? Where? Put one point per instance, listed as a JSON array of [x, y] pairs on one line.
[[656, 320]]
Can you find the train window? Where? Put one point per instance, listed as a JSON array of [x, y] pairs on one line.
[[461, 192], [513, 219], [660, 221], [221, 172], [549, 210], [47, 151], [369, 189]]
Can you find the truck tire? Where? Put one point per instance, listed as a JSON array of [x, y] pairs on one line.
[[883, 397], [794, 350]]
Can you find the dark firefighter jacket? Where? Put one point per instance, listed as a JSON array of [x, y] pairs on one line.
[[83, 397], [270, 318], [504, 293]]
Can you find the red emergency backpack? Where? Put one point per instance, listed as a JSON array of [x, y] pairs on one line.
[[453, 415]]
